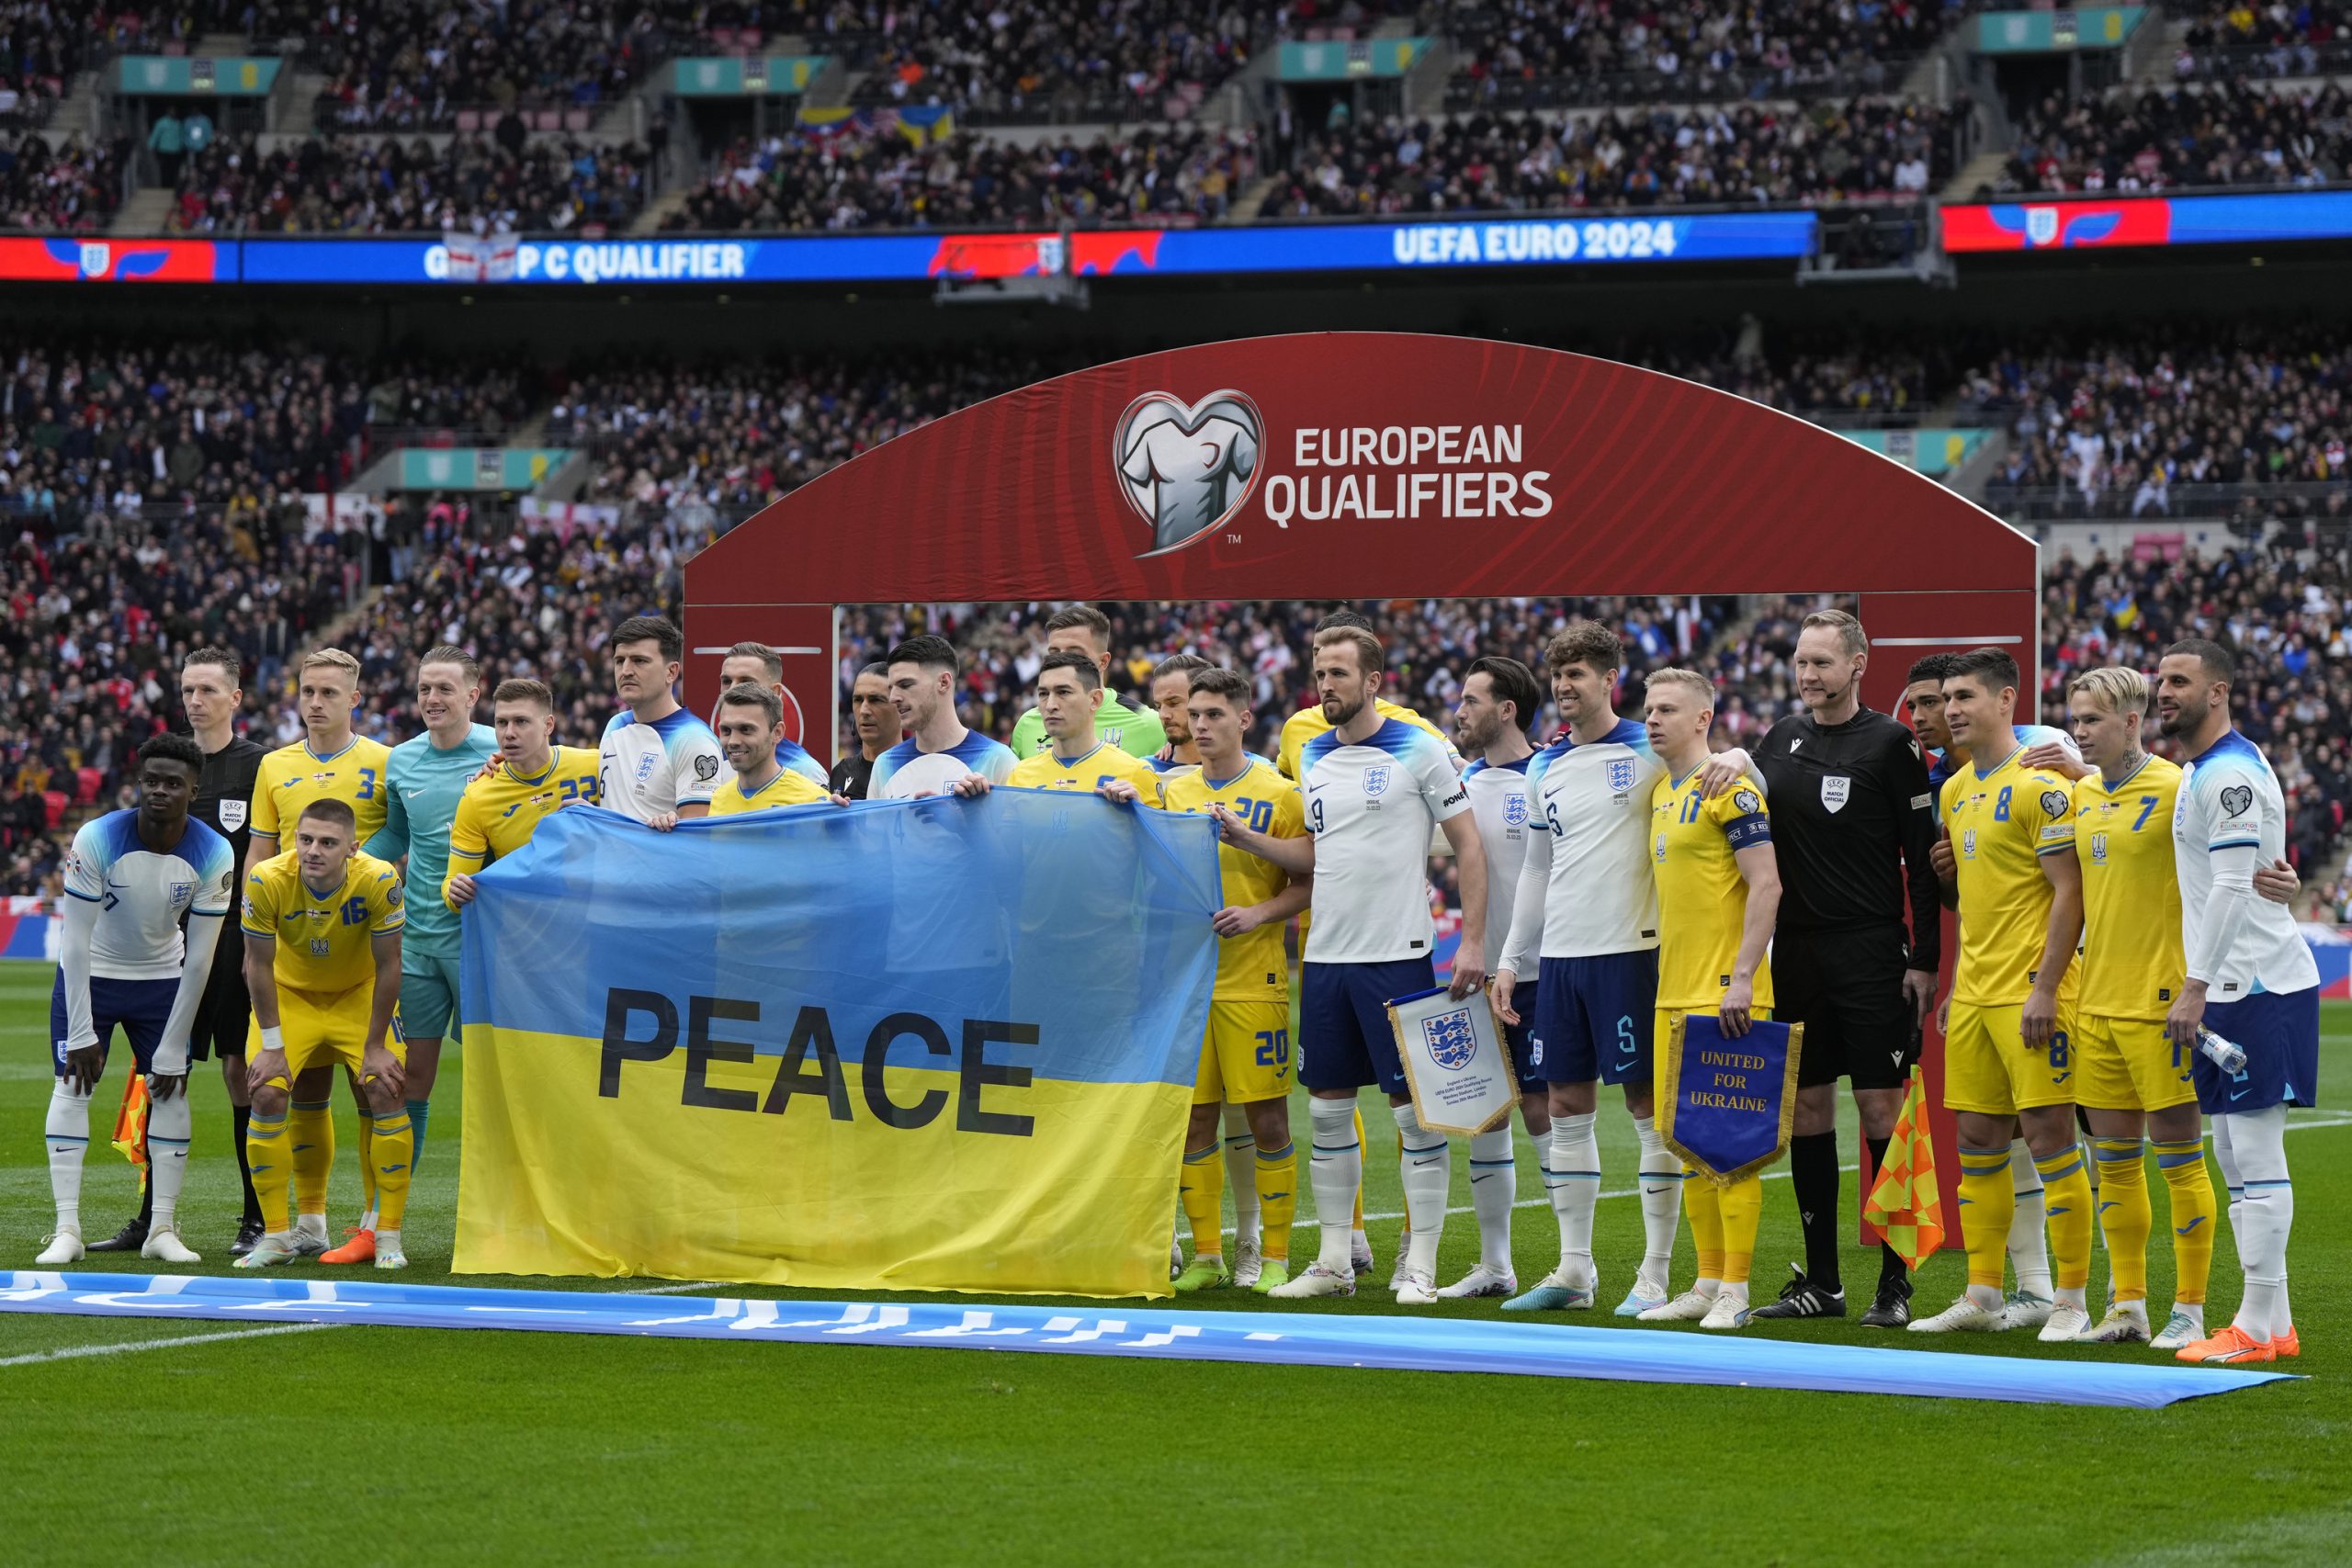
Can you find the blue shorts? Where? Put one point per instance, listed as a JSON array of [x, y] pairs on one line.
[[1521, 1037], [141, 1007], [1595, 1017], [1344, 1040], [428, 995], [2278, 1031]]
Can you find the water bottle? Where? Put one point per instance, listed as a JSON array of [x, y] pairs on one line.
[[2229, 1057]]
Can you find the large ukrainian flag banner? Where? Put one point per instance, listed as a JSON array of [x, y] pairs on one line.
[[939, 1044]]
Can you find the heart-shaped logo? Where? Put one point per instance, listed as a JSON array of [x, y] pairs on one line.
[[1186, 468], [2236, 799]]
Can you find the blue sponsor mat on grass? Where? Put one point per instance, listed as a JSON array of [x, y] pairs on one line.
[[1294, 1339]]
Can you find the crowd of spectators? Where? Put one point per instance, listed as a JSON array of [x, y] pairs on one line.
[[68, 189], [2276, 38], [799, 181], [468, 184], [2230, 133], [2168, 419], [1821, 153], [2289, 612], [45, 43], [1554, 53]]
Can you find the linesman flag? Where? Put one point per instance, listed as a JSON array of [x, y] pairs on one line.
[[131, 1123], [1905, 1203]]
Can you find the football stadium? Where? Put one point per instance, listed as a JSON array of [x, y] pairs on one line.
[[1137, 781]]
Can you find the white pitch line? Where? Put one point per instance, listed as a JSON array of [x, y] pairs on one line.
[[71, 1351]]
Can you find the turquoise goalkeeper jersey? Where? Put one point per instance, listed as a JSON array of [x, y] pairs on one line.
[[424, 783]]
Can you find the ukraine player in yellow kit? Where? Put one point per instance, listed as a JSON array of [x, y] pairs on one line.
[[2008, 1058], [502, 810], [322, 960], [1074, 756], [2133, 1077], [750, 721], [329, 762], [1244, 1055], [1718, 893]]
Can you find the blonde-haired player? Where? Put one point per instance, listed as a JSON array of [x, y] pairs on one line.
[[330, 762], [2129, 1077], [1718, 893], [749, 721], [323, 959], [2009, 1030], [1244, 1055], [501, 810]]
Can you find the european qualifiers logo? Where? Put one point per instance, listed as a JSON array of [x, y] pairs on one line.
[[2236, 800], [1187, 468]]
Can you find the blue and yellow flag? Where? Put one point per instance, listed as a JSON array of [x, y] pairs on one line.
[[937, 1045]]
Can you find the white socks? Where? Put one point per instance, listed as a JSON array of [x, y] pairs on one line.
[[68, 1133], [1494, 1187], [1334, 1169], [170, 1123], [2262, 1217], [2029, 1240], [1241, 1174], [313, 1225], [1427, 1165], [1572, 1180], [1661, 1184]]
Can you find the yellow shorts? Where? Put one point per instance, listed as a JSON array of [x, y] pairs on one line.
[[1988, 1068], [2127, 1063], [1245, 1055], [322, 1028], [1662, 1020]]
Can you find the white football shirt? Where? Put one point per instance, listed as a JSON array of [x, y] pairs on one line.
[[1499, 801], [648, 769], [2229, 817], [906, 769], [141, 895], [1586, 887], [1371, 805]]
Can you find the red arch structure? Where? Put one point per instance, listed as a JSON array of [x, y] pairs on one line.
[[1363, 466]]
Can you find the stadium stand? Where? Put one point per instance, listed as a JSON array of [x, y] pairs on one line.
[[71, 188], [1738, 154], [323, 185], [2236, 38], [2229, 134]]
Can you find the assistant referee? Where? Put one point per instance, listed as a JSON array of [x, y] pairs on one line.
[[1853, 823]]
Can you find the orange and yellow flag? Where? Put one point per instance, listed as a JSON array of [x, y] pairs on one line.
[[131, 1123], [1905, 1203]]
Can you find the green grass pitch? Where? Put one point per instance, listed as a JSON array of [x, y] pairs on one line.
[[362, 1445]]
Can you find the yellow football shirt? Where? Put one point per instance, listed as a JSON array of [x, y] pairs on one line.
[[323, 940], [2003, 820], [1701, 896], [1251, 967], [787, 788], [2131, 962], [498, 814], [291, 778], [1091, 772], [1308, 722]]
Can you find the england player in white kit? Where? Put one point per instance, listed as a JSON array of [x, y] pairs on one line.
[[1586, 911], [1499, 700], [938, 752], [1373, 786], [2251, 981], [657, 762], [128, 879]]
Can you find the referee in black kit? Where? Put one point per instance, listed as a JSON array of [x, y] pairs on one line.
[[1854, 823], [211, 692]]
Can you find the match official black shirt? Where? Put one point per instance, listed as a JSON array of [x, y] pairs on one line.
[[224, 797], [852, 774], [1853, 823]]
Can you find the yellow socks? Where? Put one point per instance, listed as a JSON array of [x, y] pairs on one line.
[[1701, 1203], [1278, 1199], [2193, 1210], [1204, 1196], [310, 1124], [270, 1159], [1743, 1205], [391, 1156], [2066, 1185], [1357, 1225], [1987, 1202], [2124, 1214]]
